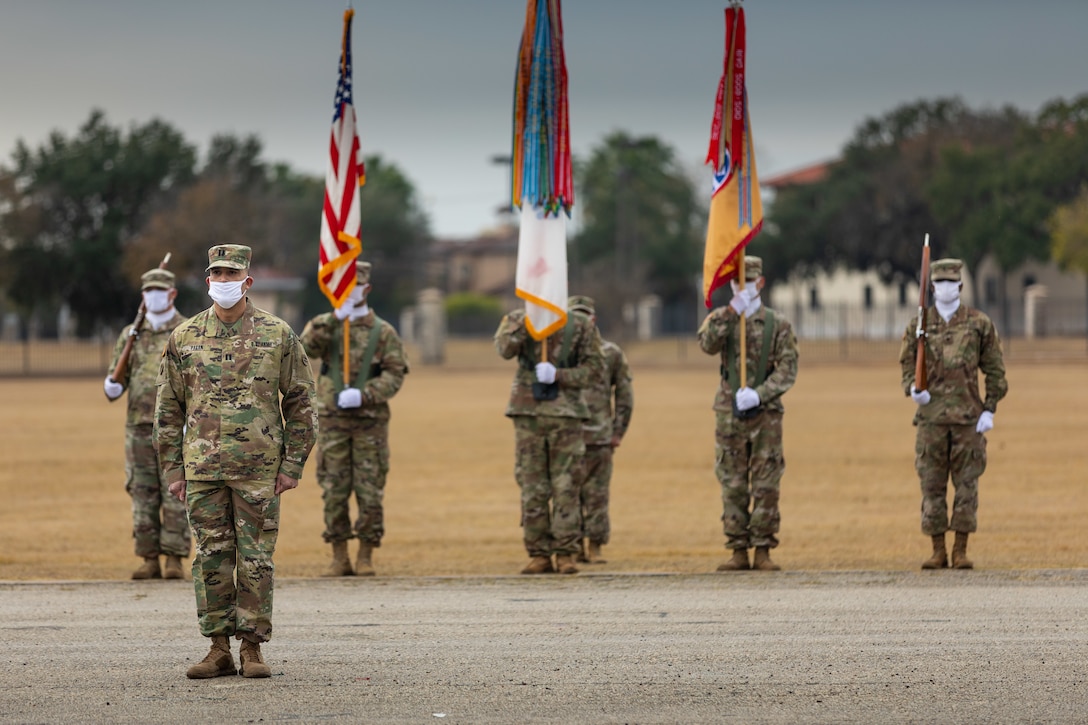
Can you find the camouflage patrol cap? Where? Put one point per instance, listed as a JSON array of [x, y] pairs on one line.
[[753, 268], [581, 303], [233, 256], [948, 270], [157, 279], [362, 272]]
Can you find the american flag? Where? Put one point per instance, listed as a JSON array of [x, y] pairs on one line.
[[340, 227]]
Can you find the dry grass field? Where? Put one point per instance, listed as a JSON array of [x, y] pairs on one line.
[[850, 498]]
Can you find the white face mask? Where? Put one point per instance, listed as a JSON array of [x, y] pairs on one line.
[[358, 294], [157, 300], [226, 294], [749, 285], [946, 291]]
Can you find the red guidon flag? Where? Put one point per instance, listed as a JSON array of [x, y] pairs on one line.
[[340, 228], [736, 212]]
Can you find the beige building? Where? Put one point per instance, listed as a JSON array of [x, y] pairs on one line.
[[484, 265]]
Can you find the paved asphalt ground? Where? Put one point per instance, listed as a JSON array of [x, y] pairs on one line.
[[789, 647]]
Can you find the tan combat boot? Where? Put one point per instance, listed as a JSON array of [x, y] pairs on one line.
[[341, 565], [173, 569], [959, 552], [539, 565], [149, 569], [252, 663], [739, 562], [564, 564], [582, 556], [762, 560], [593, 554], [216, 663], [363, 565], [939, 560]]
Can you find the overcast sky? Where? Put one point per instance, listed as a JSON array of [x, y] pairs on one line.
[[434, 78]]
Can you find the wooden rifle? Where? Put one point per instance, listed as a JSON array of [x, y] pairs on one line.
[[921, 377], [121, 368]]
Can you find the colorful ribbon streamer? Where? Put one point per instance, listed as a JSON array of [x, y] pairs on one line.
[[542, 172]]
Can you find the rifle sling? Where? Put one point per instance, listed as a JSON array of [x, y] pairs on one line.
[[336, 369], [764, 353], [564, 349]]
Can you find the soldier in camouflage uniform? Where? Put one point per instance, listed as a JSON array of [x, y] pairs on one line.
[[611, 401], [952, 418], [159, 526], [229, 445], [548, 408], [353, 436], [748, 446]]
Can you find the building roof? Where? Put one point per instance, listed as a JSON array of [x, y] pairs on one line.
[[800, 177]]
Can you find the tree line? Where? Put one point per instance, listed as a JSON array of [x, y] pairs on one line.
[[992, 181], [82, 216]]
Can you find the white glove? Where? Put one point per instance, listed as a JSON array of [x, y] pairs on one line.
[[545, 372], [113, 389], [343, 311], [350, 398], [919, 397], [742, 299], [746, 398], [985, 422]]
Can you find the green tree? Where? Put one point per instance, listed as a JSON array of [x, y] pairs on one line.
[[641, 227], [874, 209], [469, 313], [1069, 233], [997, 198], [226, 203], [69, 207]]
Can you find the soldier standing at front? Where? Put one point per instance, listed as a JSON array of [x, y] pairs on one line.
[[353, 435], [548, 407], [952, 418], [234, 424], [611, 401], [748, 445], [159, 525]]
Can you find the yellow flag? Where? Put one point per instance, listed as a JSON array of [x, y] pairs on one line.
[[736, 211]]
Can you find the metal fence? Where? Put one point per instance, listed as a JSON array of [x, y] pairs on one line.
[[828, 334]]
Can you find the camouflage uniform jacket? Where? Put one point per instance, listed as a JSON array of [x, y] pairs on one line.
[[584, 364], [606, 422], [387, 368], [225, 384], [143, 367], [721, 324], [955, 352]]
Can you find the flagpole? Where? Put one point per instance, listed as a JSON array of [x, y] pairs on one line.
[[347, 350], [743, 362]]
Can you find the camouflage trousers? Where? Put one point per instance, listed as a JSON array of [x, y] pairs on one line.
[[235, 524], [353, 457], [941, 451], [595, 475], [547, 451], [749, 466], [159, 525]]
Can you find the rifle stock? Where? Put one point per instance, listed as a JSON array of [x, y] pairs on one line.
[[921, 377], [121, 367]]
